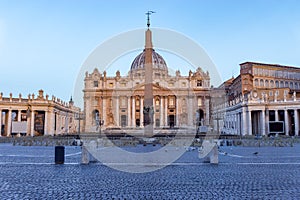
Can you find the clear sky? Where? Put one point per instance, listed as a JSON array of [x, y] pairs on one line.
[[44, 43]]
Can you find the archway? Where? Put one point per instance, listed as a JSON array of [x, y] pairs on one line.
[[95, 117], [123, 120], [171, 121], [200, 117], [137, 122]]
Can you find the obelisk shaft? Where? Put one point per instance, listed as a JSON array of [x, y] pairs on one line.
[[148, 102]]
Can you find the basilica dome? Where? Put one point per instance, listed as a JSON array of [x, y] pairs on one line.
[[157, 61]]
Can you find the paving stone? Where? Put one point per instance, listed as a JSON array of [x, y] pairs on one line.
[[29, 173]]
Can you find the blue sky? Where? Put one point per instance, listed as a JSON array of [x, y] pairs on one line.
[[44, 43]]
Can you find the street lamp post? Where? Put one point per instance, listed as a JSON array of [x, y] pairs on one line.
[[79, 116]]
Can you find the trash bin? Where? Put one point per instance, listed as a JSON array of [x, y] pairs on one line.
[[59, 155]]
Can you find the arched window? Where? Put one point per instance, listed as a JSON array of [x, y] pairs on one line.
[[277, 84], [256, 82], [95, 117], [267, 83], [271, 83], [291, 85], [281, 84], [286, 84], [261, 83], [157, 102], [296, 86]]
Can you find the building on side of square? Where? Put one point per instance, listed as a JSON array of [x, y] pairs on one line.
[[178, 101], [37, 115], [262, 95]]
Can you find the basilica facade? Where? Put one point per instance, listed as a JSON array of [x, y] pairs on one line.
[[119, 101]]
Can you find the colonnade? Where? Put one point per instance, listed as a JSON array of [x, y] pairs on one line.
[[53, 122], [247, 121]]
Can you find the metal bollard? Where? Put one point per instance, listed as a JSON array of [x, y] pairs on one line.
[[59, 154]]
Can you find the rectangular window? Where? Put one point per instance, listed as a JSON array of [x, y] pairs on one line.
[[171, 102], [95, 83], [199, 83], [157, 102], [199, 101], [123, 103], [255, 71], [271, 93]]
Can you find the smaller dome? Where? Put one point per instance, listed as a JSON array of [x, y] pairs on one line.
[[157, 61]]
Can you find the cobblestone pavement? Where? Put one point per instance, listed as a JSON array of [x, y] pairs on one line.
[[272, 173]]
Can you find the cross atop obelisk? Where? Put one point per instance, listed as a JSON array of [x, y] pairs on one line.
[[148, 17]]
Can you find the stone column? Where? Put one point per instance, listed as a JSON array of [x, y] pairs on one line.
[[141, 112], [296, 114], [128, 112], [286, 122], [57, 116], [263, 122], [234, 123], [161, 112], [267, 121], [46, 123], [9, 123], [190, 111], [249, 123], [244, 122], [117, 117], [206, 111], [51, 124], [154, 113], [0, 122], [32, 123], [19, 115], [166, 111], [276, 115], [238, 121], [133, 112], [66, 122], [177, 111]]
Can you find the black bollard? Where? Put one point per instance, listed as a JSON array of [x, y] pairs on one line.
[[59, 154]]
